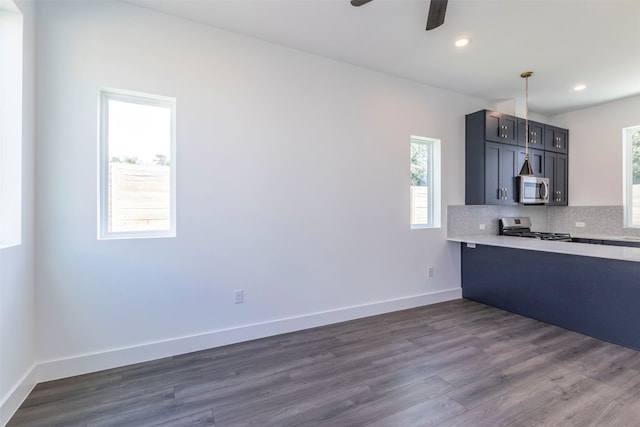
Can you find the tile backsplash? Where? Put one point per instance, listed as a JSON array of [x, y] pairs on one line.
[[600, 220], [465, 220]]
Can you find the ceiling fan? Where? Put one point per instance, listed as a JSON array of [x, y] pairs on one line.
[[435, 18]]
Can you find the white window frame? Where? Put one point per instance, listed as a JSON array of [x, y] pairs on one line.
[[627, 171], [11, 70], [105, 95], [434, 178]]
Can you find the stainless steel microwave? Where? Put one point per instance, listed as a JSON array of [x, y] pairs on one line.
[[534, 190]]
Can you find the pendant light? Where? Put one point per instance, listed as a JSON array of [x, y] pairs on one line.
[[526, 170]]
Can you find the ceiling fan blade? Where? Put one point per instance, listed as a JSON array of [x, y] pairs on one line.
[[359, 2], [437, 10]]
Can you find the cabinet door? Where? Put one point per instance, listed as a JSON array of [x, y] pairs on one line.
[[493, 188], [509, 172], [536, 158], [562, 173], [500, 175], [556, 169], [536, 134], [556, 139], [501, 127]]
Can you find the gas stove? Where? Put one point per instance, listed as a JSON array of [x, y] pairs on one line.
[[521, 227]]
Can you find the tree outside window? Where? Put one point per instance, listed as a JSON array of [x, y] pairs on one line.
[[424, 182]]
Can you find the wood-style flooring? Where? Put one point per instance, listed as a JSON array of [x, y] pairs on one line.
[[457, 363]]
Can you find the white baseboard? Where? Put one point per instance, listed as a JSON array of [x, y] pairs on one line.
[[10, 404], [62, 368]]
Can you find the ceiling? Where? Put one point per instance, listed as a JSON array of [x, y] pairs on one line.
[[564, 42]]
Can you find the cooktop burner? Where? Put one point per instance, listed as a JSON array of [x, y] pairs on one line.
[[563, 237], [521, 227]]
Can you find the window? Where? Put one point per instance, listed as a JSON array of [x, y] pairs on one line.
[[631, 141], [137, 165], [425, 182], [11, 23]]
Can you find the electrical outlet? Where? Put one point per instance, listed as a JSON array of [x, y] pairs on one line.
[[238, 296], [580, 224], [482, 226], [430, 271]]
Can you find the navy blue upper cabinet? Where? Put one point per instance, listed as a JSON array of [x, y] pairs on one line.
[[500, 127], [500, 173], [491, 167], [495, 151], [556, 139], [536, 134], [557, 170]]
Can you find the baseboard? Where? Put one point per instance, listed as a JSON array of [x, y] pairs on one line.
[[62, 368], [10, 404]]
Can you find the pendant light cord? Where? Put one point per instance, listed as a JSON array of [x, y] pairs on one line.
[[526, 167], [526, 114]]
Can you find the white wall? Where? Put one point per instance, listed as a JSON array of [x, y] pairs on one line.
[[293, 184], [17, 288], [595, 144]]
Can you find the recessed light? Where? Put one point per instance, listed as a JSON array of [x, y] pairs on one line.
[[578, 88], [462, 42]]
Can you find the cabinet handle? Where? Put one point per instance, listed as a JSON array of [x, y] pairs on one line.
[[558, 196], [503, 134]]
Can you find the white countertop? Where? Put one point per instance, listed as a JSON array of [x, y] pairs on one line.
[[581, 249]]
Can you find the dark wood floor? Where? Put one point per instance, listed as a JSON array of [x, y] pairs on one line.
[[457, 363]]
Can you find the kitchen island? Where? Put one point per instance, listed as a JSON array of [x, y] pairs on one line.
[[591, 289]]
